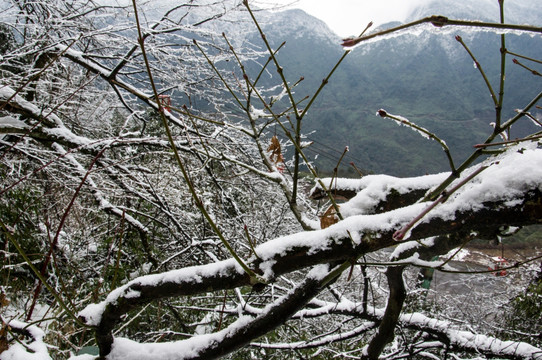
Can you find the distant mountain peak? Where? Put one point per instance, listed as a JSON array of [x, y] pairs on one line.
[[278, 25], [297, 23], [516, 11]]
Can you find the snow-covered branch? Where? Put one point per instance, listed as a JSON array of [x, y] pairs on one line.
[[446, 333], [33, 348], [90, 191], [485, 204]]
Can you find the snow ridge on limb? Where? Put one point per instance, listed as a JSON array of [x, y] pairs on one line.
[[54, 127], [495, 198], [51, 128], [211, 346], [33, 349], [377, 193], [458, 339], [470, 341]]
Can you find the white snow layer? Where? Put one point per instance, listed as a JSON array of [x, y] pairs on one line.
[[465, 339], [33, 349], [8, 122], [194, 274], [372, 189], [506, 179]]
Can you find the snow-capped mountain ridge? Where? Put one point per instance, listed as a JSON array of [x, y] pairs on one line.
[[423, 74], [298, 23], [516, 11]]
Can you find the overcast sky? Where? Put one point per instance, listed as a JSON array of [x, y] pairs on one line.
[[349, 17]]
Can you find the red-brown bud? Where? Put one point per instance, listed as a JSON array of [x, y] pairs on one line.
[[398, 235], [350, 42]]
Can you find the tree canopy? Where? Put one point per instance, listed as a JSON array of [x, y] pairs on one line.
[[148, 211]]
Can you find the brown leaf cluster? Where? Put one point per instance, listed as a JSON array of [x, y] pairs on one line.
[[329, 217], [275, 151]]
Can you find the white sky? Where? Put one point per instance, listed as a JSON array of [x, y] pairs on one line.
[[349, 17]]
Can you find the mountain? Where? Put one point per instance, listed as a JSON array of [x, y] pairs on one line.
[[297, 24], [424, 74], [516, 11]]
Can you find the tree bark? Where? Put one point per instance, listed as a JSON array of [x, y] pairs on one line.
[[385, 332]]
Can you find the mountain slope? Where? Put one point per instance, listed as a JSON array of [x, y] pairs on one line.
[[516, 12], [424, 75]]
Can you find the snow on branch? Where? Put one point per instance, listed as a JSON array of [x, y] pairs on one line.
[[497, 197], [80, 59], [458, 339], [375, 193], [51, 128], [32, 349], [55, 128], [469, 341], [208, 346]]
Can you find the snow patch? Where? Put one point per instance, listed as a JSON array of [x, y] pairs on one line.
[[33, 349]]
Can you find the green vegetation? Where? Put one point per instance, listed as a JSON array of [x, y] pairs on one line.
[[429, 79], [526, 310]]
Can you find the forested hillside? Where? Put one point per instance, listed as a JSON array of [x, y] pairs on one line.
[[423, 74]]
